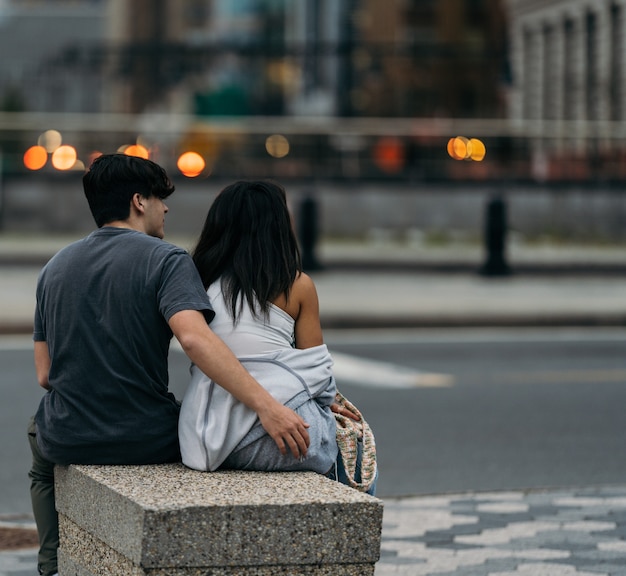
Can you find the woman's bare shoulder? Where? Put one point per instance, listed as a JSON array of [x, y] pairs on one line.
[[308, 330], [304, 287]]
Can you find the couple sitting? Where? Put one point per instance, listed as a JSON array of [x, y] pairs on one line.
[[107, 307]]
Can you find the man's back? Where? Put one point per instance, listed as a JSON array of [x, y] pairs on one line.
[[102, 308]]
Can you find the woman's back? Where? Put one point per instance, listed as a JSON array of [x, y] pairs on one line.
[[251, 334], [267, 313], [215, 430]]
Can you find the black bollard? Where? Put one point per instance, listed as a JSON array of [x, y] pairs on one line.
[[495, 239], [2, 197], [308, 232]]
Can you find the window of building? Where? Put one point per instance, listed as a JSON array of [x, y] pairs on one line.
[[591, 66], [617, 48], [475, 11], [568, 70], [549, 68], [421, 14], [527, 75]]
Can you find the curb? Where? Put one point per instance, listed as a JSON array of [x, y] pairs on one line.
[[365, 322], [465, 267], [570, 320], [9, 328], [548, 269]]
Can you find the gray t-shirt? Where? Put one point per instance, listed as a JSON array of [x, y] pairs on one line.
[[103, 304]]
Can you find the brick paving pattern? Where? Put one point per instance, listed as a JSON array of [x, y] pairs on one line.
[[556, 533]]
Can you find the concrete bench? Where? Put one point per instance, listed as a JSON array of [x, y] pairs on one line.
[[168, 520]]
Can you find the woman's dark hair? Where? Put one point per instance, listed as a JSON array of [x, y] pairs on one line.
[[113, 179], [248, 241]]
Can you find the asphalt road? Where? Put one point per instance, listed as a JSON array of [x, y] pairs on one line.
[[527, 409], [519, 409]]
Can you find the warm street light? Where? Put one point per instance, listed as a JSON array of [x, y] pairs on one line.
[[64, 157], [191, 164], [35, 157]]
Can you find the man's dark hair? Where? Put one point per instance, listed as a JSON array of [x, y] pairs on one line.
[[113, 179], [248, 243]]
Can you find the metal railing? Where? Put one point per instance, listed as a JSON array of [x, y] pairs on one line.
[[339, 148]]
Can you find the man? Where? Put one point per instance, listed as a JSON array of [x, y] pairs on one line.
[[107, 307]]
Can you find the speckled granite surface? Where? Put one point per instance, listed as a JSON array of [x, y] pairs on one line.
[[167, 519], [93, 558]]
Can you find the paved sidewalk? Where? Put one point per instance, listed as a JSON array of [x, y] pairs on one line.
[[369, 285], [365, 299], [552, 533]]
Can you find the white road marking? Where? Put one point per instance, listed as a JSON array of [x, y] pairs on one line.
[[376, 374], [360, 371]]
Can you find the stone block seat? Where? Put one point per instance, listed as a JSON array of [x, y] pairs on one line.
[[168, 520]]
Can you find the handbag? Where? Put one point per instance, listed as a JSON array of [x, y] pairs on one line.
[[354, 437]]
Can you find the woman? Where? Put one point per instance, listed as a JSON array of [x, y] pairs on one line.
[[267, 312]]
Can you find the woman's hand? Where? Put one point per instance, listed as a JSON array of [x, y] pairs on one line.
[[339, 409]]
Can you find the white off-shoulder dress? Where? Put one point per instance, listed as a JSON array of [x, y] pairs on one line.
[[216, 430]]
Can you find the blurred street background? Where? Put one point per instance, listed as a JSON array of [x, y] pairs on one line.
[[456, 171]]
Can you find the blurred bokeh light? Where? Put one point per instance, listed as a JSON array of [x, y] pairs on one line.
[[478, 150], [93, 155], [64, 157], [137, 150], [389, 154], [277, 146], [35, 158], [191, 164], [462, 148], [50, 140]]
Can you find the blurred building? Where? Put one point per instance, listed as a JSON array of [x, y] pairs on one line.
[[376, 58], [569, 63], [556, 68], [569, 59], [44, 66], [397, 58], [428, 58], [211, 59], [208, 57]]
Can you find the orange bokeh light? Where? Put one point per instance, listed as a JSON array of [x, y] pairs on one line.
[[461, 148], [389, 154], [137, 150], [95, 154], [64, 157], [191, 164], [35, 157], [478, 150], [452, 149]]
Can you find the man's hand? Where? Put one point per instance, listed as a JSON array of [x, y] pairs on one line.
[[286, 428], [215, 359]]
